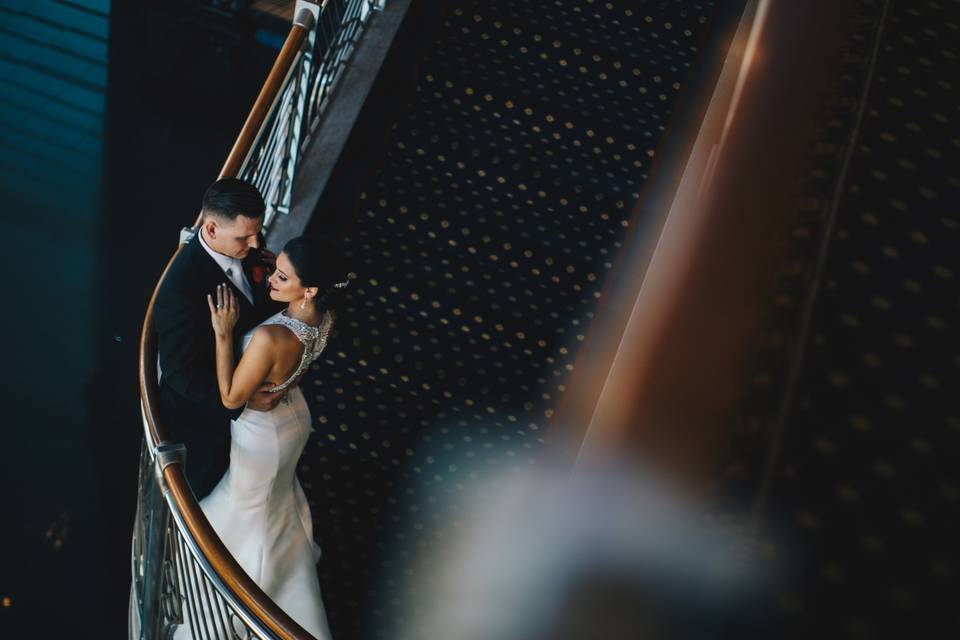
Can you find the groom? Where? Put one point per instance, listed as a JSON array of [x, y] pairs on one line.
[[227, 248]]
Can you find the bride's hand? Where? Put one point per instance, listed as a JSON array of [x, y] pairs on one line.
[[225, 313]]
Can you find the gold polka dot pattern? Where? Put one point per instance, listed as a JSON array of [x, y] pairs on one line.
[[481, 247], [864, 490]]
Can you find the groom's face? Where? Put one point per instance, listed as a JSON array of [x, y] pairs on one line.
[[234, 237]]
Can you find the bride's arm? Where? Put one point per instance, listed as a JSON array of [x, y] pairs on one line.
[[237, 383]]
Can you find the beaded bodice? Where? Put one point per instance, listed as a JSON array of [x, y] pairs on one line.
[[314, 339]]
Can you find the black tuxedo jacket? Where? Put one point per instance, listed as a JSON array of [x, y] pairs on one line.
[[191, 410]]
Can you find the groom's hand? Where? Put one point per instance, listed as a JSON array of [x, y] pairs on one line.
[[263, 400], [269, 258], [266, 264]]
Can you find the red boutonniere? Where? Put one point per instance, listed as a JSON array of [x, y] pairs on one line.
[[259, 273]]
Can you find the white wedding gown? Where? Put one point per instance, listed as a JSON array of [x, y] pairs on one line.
[[259, 509]]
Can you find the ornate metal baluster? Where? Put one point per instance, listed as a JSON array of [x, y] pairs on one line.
[[209, 605], [222, 613], [170, 609], [185, 562]]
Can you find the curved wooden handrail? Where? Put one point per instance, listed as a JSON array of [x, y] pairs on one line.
[[268, 95], [232, 574], [686, 324], [247, 592]]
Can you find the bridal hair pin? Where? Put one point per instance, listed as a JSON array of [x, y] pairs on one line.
[[342, 285]]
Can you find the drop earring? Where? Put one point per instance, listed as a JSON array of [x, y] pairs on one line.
[[303, 305]]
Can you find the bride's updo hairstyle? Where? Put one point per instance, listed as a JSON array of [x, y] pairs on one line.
[[319, 262]]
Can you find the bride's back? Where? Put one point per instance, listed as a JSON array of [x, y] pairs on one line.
[[286, 351], [288, 344]]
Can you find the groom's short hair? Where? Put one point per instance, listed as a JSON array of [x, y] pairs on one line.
[[232, 197]]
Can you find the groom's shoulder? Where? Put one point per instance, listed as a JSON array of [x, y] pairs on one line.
[[183, 273]]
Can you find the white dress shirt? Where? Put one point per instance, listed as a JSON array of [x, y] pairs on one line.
[[232, 268]]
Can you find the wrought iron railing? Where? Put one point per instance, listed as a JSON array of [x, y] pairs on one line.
[[185, 583], [339, 28], [272, 159]]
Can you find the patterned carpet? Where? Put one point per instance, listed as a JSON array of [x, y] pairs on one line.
[[851, 427], [482, 242]]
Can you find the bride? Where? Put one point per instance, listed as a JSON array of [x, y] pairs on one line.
[[258, 508]]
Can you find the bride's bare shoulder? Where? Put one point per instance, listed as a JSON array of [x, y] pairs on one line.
[[272, 336]]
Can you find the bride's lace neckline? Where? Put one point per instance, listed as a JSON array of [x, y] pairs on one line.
[[286, 315]]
